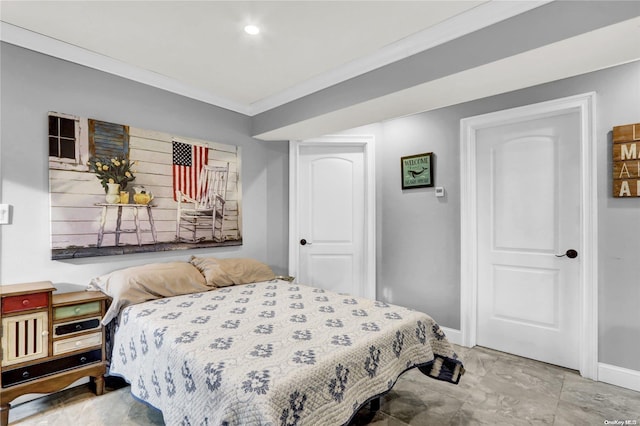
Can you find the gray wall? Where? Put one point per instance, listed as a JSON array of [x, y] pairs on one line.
[[419, 241], [33, 84]]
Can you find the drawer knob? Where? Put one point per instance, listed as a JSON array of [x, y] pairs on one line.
[[83, 359], [79, 343], [77, 310], [78, 327], [25, 374], [25, 302]]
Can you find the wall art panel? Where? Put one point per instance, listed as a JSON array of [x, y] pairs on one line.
[[116, 189]]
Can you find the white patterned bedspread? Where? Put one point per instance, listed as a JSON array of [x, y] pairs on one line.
[[272, 353]]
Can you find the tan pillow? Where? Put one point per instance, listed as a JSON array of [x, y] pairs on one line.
[[226, 272], [147, 282]]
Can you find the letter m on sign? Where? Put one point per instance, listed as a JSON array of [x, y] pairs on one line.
[[628, 151]]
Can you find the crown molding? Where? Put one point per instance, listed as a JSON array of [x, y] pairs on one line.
[[482, 16], [59, 49]]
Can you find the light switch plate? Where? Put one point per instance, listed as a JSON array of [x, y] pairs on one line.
[[439, 191], [4, 214]]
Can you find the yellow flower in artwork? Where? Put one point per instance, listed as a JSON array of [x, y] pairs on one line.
[[112, 170]]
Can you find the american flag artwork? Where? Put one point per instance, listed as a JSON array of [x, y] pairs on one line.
[[205, 172], [188, 160]]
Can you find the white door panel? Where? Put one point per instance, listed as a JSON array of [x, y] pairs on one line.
[[515, 289], [330, 191], [529, 211], [524, 214]]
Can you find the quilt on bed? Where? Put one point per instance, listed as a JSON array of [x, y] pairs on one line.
[[272, 353]]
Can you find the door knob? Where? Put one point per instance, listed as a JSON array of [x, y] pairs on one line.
[[304, 242], [571, 254]]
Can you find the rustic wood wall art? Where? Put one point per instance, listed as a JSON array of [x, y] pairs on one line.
[[626, 161]]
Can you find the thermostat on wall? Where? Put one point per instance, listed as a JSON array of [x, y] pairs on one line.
[[439, 191]]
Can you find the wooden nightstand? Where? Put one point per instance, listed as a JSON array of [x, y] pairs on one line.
[[49, 341]]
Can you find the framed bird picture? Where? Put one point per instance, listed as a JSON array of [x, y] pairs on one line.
[[417, 171]]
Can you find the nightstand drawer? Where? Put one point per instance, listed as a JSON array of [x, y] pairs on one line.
[[77, 343], [32, 372], [63, 312], [68, 328], [24, 302]]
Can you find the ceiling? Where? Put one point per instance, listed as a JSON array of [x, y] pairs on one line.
[[203, 45], [199, 49]]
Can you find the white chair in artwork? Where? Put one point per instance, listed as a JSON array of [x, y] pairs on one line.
[[206, 210]]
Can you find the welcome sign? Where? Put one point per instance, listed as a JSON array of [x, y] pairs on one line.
[[417, 171], [626, 161]]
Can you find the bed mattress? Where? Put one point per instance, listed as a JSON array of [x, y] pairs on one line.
[[272, 353]]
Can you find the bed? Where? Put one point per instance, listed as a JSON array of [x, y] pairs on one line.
[[271, 352]]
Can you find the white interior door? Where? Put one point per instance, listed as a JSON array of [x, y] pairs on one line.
[[528, 200], [330, 235]]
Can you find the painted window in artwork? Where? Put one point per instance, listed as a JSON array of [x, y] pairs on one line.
[[68, 146], [62, 137]]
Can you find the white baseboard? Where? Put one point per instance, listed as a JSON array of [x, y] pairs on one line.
[[618, 376], [623, 377], [453, 336]]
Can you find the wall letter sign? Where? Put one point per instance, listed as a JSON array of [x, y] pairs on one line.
[[626, 161]]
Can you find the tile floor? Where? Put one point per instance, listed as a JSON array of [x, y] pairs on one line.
[[498, 389]]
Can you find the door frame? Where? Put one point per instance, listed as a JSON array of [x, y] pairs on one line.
[[366, 142], [585, 105]]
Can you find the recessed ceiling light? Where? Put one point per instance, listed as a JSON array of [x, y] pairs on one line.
[[251, 30]]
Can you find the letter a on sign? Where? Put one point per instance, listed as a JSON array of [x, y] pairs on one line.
[[624, 189]]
